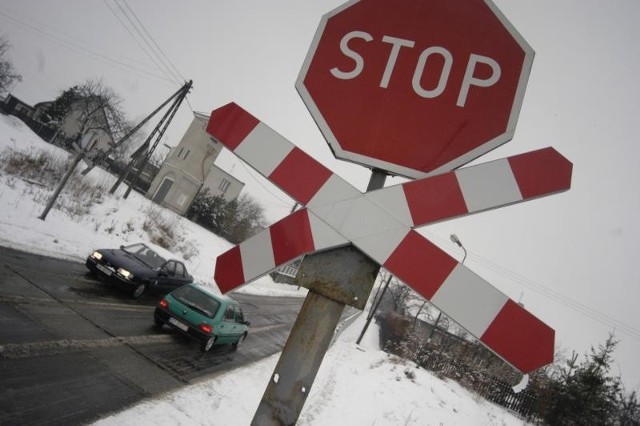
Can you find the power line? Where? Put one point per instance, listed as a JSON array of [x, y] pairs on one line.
[[152, 54], [258, 180], [565, 300], [557, 297], [153, 41], [72, 45], [144, 38], [70, 38], [189, 104], [153, 59]]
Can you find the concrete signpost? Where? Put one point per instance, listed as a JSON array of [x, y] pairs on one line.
[[416, 88]]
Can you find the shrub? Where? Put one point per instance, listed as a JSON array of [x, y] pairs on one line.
[[166, 230], [44, 172]]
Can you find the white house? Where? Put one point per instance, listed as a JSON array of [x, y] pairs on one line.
[[189, 169]]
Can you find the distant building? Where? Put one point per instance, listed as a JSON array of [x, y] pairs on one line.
[[85, 115], [14, 106], [221, 183], [189, 169], [40, 109]]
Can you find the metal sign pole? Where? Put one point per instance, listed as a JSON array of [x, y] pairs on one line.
[[335, 278]]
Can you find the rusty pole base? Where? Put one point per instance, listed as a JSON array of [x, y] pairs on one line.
[[335, 278]]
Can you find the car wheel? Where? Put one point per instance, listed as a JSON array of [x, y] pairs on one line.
[[139, 290], [158, 322], [208, 344], [239, 342]]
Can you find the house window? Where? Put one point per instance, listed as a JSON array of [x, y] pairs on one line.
[[180, 152], [224, 185], [185, 154]]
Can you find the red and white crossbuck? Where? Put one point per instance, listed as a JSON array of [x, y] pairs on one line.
[[382, 224]]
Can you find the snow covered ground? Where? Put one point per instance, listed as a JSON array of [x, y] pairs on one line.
[[356, 385]]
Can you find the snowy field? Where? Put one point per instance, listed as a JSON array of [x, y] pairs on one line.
[[356, 385]]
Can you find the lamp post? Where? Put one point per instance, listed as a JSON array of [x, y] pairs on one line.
[[456, 240]]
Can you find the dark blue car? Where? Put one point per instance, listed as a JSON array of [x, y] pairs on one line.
[[138, 268]]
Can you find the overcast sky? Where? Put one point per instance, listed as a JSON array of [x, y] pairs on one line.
[[569, 258]]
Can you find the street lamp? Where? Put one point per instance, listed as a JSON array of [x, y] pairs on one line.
[[456, 240]]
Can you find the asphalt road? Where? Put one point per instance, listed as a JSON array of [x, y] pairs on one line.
[[73, 349]]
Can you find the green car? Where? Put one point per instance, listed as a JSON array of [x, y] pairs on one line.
[[199, 313]]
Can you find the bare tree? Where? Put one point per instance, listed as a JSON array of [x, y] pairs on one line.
[[98, 106], [400, 296], [8, 74], [55, 113], [243, 218], [91, 105]]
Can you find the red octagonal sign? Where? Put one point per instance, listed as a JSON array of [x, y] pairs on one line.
[[415, 87]]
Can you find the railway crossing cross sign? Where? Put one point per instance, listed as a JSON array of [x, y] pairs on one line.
[[381, 225]]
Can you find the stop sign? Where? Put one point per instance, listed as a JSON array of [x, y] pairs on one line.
[[415, 87]]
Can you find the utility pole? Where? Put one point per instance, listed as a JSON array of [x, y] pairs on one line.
[[135, 157], [131, 132], [373, 310], [144, 157], [79, 155]]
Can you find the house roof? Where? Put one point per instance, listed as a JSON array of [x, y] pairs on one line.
[[201, 115], [20, 101]]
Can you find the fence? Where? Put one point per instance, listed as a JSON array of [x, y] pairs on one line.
[[45, 132], [491, 388], [468, 363]]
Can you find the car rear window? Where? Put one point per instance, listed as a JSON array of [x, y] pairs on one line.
[[197, 300]]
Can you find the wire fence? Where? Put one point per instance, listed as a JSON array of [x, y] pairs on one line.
[[469, 363]]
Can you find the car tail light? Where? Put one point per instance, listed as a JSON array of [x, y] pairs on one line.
[[206, 328], [163, 304]]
